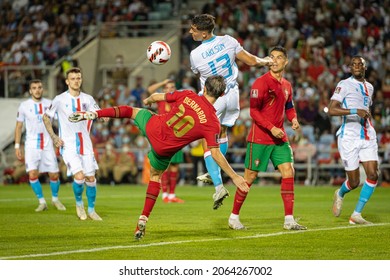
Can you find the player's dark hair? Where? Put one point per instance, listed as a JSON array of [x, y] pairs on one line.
[[204, 22], [215, 86], [72, 70], [279, 49], [35, 81]]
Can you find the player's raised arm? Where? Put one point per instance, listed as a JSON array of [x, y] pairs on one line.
[[253, 60], [155, 97]]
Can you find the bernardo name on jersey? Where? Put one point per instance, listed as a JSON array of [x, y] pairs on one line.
[[195, 106]]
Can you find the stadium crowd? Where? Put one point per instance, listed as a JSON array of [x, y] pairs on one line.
[[320, 36]]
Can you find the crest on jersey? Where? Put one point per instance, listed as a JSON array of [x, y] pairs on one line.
[[254, 93], [337, 90], [257, 162], [84, 107]]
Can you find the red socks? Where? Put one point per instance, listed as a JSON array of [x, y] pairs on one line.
[[239, 199], [165, 181], [122, 111], [151, 196], [172, 181], [287, 192]]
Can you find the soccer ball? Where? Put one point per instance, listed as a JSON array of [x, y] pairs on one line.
[[158, 52]]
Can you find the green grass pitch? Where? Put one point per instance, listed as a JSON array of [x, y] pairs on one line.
[[193, 230]]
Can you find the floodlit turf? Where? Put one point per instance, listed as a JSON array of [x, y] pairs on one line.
[[193, 230]]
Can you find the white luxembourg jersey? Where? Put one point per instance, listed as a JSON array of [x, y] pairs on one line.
[[353, 94], [216, 56], [76, 136], [30, 113]]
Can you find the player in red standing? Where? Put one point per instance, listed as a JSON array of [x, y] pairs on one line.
[[270, 101], [192, 117]]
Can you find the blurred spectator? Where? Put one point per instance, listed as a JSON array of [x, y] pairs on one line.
[[304, 152], [386, 85], [16, 174], [384, 144], [303, 149], [35, 7], [322, 123], [41, 25], [125, 169], [309, 113], [119, 75], [50, 48], [138, 91], [66, 17], [107, 161], [124, 96]]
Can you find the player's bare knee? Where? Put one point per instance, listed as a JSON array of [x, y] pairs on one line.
[[373, 176], [33, 174], [90, 179], [354, 183], [250, 176], [54, 178], [79, 176]]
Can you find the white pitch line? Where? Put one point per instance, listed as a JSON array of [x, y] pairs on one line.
[[187, 241]]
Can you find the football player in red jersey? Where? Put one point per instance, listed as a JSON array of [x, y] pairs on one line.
[[191, 117], [270, 101], [170, 176]]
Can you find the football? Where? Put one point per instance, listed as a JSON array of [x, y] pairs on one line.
[[158, 52]]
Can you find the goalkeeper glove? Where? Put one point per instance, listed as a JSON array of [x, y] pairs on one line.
[[81, 116]]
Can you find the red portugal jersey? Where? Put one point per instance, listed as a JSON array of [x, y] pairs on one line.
[[191, 118], [269, 101], [163, 107]]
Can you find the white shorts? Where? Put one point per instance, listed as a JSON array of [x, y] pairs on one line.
[[76, 163], [352, 152], [41, 160], [228, 107]]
